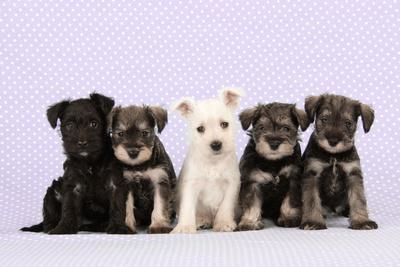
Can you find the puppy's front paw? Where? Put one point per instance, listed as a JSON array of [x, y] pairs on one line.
[[228, 226], [250, 226], [62, 230], [313, 226], [115, 229], [184, 229], [159, 229], [288, 222], [367, 225]]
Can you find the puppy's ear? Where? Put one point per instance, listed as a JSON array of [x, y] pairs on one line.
[[185, 106], [160, 116], [247, 116], [231, 96], [368, 116], [311, 106], [55, 111], [111, 116], [104, 103], [301, 117]]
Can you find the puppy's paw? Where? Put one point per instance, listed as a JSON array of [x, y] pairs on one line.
[[250, 226], [313, 226], [184, 229], [159, 229], [367, 225], [288, 222], [62, 230], [225, 226], [115, 229]]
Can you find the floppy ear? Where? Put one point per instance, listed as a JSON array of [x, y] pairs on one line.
[[246, 117], [231, 96], [104, 103], [110, 117], [311, 106], [301, 117], [185, 106], [160, 115], [368, 116], [55, 111]]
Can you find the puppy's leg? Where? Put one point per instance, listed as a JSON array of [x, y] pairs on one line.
[[160, 217], [70, 213], [122, 219], [358, 205], [251, 201], [225, 217], [204, 217], [312, 218], [187, 209], [290, 211], [51, 209]]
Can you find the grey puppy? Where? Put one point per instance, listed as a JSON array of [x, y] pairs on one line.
[[332, 177], [143, 175], [270, 167]]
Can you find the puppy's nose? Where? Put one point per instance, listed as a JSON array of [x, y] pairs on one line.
[[82, 143], [333, 141], [133, 153], [216, 145], [274, 143]]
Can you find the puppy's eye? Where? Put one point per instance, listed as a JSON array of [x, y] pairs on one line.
[[348, 124], [145, 133], [285, 128], [324, 120], [120, 134], [69, 126], [261, 128], [93, 124], [224, 125], [201, 129]]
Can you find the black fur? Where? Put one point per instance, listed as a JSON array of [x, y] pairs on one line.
[[82, 193]]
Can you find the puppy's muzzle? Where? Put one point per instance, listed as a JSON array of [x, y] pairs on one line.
[[274, 143], [133, 152], [333, 140], [82, 144], [216, 146]]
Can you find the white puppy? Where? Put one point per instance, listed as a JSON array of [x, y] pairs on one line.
[[209, 181]]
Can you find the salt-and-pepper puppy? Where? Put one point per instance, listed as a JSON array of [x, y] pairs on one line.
[[143, 177], [270, 167], [209, 181], [332, 177], [81, 194]]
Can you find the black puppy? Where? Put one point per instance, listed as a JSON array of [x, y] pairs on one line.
[[332, 173], [143, 176], [82, 192], [270, 167]]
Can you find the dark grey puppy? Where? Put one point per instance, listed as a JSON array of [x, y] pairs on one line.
[[270, 167], [81, 194], [143, 176], [332, 177]]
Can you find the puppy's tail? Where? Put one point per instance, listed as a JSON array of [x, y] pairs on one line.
[[34, 228]]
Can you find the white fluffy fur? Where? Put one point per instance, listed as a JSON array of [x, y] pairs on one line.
[[209, 182]]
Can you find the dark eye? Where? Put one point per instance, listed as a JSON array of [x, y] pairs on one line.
[[145, 133], [261, 128], [93, 124], [201, 129], [69, 126], [285, 129], [324, 120], [224, 125], [120, 134], [348, 124]]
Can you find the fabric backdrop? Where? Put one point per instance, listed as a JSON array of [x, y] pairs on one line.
[[155, 52]]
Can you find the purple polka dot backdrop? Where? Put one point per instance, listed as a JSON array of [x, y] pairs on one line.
[[149, 52]]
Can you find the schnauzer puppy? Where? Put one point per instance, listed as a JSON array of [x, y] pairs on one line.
[[270, 167], [209, 181], [332, 177], [82, 192], [143, 177]]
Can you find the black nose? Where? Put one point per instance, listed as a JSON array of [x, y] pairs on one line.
[[216, 145], [82, 143], [333, 141], [274, 143], [133, 153]]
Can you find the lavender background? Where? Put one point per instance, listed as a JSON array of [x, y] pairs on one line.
[[156, 52]]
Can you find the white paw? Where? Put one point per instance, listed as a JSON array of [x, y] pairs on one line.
[[227, 226], [184, 229]]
